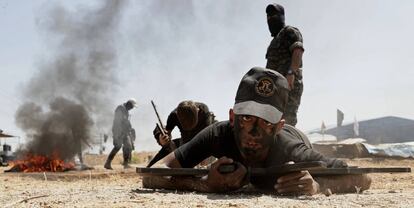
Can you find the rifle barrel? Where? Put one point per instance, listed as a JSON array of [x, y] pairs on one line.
[[161, 127], [358, 170], [316, 168], [158, 116]]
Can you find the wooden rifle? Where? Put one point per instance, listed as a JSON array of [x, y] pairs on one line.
[[161, 128], [315, 168]]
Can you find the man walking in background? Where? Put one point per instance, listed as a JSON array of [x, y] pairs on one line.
[[123, 134], [284, 55]]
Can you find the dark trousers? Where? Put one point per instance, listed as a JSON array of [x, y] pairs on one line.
[[127, 147], [165, 150]]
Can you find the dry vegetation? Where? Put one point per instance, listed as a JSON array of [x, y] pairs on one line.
[[122, 188]]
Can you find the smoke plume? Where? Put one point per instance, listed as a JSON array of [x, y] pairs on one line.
[[69, 98]]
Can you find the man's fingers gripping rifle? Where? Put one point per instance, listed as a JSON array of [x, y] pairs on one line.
[[161, 127]]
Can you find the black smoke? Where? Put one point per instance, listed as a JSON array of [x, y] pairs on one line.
[[64, 129], [69, 99]]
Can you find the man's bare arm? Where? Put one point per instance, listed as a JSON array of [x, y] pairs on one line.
[[214, 182], [297, 183], [295, 65], [344, 183], [174, 183]]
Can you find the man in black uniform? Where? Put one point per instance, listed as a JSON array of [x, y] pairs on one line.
[[190, 117], [284, 55], [255, 136]]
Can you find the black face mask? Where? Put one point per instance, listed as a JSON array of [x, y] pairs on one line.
[[128, 106], [276, 23]]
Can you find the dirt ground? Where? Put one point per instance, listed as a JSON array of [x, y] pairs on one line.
[[123, 188]]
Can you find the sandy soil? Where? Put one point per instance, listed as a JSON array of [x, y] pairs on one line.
[[123, 188]]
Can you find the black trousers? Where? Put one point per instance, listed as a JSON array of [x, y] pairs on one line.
[[163, 152]]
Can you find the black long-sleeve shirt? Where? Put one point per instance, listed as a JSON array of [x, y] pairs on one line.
[[218, 140], [205, 118]]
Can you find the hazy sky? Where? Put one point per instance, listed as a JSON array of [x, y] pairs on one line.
[[357, 56]]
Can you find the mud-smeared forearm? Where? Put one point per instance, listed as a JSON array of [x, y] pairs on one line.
[[344, 183], [175, 183]]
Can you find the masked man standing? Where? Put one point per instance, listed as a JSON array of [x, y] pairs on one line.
[[284, 55], [123, 133]]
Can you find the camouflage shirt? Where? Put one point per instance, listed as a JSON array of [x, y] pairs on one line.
[[279, 52]]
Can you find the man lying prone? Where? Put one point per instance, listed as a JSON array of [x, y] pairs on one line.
[[255, 136]]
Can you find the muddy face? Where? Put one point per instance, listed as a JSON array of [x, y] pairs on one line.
[[253, 137]]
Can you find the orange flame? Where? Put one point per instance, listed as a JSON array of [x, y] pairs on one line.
[[40, 163]]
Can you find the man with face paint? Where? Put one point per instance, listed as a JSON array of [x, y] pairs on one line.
[[284, 55], [254, 136], [190, 117]]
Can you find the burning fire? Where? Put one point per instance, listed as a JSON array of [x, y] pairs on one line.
[[40, 163]]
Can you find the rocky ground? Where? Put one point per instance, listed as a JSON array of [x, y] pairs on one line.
[[123, 188]]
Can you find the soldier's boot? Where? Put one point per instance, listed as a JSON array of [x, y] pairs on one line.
[[82, 165], [126, 165], [110, 158], [108, 165], [127, 159]]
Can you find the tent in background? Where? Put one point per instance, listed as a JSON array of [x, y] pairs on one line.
[[389, 129]]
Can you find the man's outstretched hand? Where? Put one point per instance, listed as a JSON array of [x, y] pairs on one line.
[[297, 183]]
